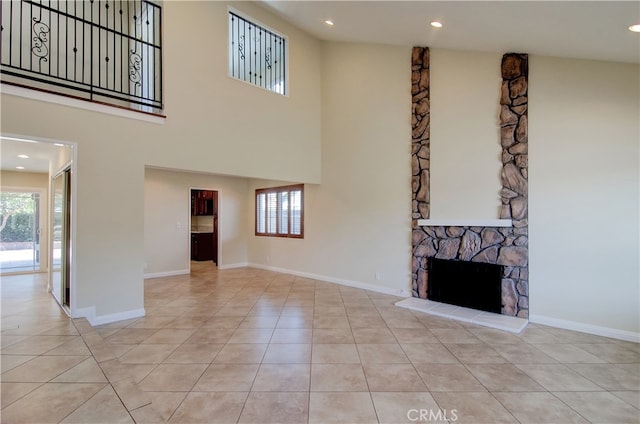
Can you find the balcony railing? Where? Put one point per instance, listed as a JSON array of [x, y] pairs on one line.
[[107, 51]]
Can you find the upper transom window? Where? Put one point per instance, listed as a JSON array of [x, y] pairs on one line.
[[257, 55]]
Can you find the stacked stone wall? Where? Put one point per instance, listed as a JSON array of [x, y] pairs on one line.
[[506, 246]]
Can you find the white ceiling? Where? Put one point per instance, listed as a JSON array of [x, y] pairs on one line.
[[40, 154], [575, 29]]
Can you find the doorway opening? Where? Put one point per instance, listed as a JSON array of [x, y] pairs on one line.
[[204, 228], [38, 185]]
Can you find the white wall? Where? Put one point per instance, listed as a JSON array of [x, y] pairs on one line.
[[217, 123], [583, 194], [167, 203], [214, 124], [61, 158], [12, 179], [465, 160], [358, 221]]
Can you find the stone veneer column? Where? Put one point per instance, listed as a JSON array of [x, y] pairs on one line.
[[420, 122], [502, 246]]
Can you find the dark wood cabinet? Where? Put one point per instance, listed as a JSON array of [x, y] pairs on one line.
[[203, 202], [204, 225], [202, 247]]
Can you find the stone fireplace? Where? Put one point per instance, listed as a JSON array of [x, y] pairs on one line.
[[505, 245]]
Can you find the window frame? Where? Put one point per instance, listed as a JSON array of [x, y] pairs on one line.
[[278, 216]]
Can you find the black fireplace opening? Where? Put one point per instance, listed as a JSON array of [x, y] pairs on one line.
[[473, 285]]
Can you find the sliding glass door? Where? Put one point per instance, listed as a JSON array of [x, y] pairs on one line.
[[19, 231]]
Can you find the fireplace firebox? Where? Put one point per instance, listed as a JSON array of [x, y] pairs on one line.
[[473, 285]]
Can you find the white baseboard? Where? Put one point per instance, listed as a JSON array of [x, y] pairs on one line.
[[586, 328], [90, 314], [349, 283], [87, 313], [231, 266], [166, 274]]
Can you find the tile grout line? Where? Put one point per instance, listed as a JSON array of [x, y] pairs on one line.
[[116, 387], [375, 410]]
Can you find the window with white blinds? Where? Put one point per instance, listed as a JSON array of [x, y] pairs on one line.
[[280, 211]]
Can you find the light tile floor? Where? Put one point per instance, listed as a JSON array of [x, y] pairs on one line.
[[252, 346]]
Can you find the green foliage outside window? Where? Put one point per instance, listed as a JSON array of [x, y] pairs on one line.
[[16, 216]]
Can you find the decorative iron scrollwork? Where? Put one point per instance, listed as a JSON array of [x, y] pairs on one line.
[[135, 65], [267, 57], [40, 49], [241, 47]]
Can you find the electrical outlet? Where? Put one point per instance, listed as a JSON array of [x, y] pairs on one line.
[[377, 275], [178, 225]]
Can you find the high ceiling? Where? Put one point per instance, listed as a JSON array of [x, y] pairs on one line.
[[575, 29]]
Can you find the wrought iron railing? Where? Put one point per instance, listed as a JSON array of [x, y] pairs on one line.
[[106, 51], [256, 54]]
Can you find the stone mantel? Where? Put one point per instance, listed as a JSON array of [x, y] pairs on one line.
[[465, 223]]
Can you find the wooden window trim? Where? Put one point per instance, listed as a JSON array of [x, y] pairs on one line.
[[277, 191]]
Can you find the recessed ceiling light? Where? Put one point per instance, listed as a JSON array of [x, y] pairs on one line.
[[19, 167], [635, 28], [23, 156], [329, 22], [436, 24]]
